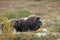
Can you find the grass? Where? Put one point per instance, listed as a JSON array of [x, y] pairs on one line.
[[20, 13], [23, 13], [57, 25], [9, 14]]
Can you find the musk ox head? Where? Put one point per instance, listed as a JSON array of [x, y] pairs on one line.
[[34, 22]]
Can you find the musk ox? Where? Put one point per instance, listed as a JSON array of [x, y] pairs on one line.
[[31, 23]]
